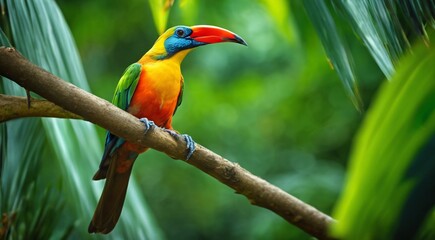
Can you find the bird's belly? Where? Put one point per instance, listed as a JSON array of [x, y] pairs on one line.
[[157, 92], [155, 109], [154, 104]]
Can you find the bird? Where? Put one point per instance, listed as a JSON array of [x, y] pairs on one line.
[[150, 89]]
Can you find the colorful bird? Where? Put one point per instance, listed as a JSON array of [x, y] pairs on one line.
[[152, 88]]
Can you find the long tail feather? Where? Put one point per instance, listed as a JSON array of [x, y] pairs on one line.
[[112, 199]]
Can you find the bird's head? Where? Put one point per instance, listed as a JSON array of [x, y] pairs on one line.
[[178, 41]]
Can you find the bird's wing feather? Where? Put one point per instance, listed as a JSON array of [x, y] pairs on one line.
[[121, 98], [126, 86], [180, 95]]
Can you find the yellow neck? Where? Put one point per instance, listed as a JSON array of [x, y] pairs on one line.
[[154, 55]]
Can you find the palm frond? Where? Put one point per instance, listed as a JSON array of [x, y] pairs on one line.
[[386, 27], [335, 48], [378, 28], [21, 147], [40, 33], [390, 185]]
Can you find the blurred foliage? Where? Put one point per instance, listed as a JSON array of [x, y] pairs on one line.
[[275, 107], [391, 176], [392, 166], [335, 48], [160, 11], [45, 175], [388, 27]]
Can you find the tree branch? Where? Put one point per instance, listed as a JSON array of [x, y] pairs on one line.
[[101, 112], [12, 107]]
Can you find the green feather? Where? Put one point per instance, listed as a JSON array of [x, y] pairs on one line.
[[180, 96], [126, 86]]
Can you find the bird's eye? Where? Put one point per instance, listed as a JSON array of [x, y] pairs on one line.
[[180, 32]]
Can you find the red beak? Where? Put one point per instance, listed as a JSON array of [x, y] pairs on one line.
[[211, 34]]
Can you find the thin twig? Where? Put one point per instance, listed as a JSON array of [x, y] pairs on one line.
[[12, 107]]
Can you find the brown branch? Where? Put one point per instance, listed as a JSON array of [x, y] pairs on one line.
[[12, 107], [99, 111]]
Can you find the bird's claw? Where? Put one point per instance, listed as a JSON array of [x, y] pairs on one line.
[[148, 124], [190, 144]]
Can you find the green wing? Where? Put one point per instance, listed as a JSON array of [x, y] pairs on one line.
[[122, 97], [126, 86], [180, 95]]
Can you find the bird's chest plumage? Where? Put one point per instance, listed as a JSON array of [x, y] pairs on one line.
[[157, 92]]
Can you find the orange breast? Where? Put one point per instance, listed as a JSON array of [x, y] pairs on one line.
[[157, 93]]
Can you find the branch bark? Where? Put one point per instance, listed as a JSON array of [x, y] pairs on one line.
[[12, 107], [98, 111]]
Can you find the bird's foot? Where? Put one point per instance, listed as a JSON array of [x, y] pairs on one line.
[[148, 124], [190, 144]]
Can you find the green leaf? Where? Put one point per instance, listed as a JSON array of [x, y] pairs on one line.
[[428, 230], [279, 10], [59, 151], [387, 27], [392, 161], [377, 27], [335, 48], [160, 10]]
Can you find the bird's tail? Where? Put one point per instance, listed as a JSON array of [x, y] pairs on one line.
[[112, 199]]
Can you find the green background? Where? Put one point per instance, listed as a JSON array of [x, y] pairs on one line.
[[275, 107]]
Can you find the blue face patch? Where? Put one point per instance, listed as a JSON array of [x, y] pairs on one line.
[[180, 40]]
